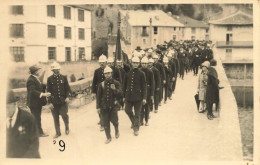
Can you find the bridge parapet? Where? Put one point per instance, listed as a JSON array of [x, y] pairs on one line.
[[229, 128]]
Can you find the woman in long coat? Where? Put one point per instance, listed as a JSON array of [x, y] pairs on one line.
[[212, 91], [202, 85]]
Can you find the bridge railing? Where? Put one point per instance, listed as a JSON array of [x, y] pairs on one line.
[[229, 128]]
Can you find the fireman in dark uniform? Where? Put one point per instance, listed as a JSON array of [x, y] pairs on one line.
[[150, 91], [157, 85], [107, 98], [160, 67], [176, 62], [168, 75], [172, 66], [98, 78], [196, 60], [134, 91], [58, 86]]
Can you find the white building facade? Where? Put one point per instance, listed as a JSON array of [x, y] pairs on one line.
[[49, 33], [193, 29], [233, 37], [148, 29]]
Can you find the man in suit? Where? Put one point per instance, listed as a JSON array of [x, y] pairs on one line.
[[135, 92], [22, 137], [108, 94], [98, 78], [58, 86], [35, 96]]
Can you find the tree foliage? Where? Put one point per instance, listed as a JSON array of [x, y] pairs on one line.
[[99, 47]]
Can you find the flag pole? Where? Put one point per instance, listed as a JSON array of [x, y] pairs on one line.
[[118, 53]]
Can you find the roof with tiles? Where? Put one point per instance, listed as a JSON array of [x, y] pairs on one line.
[[142, 18], [237, 18], [189, 22]]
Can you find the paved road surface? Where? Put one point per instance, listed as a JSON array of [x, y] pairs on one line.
[[178, 132]]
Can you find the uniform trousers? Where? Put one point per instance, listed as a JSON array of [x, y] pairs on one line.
[[161, 92], [174, 84], [195, 69], [100, 118], [134, 117], [37, 111], [156, 100], [166, 91], [109, 115], [60, 109], [170, 91], [146, 108]]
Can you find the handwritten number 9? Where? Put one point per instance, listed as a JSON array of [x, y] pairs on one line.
[[62, 144]]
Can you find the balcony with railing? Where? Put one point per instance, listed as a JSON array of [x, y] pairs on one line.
[[234, 44]]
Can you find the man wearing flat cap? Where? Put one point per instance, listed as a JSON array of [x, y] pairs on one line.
[[35, 96], [22, 138]]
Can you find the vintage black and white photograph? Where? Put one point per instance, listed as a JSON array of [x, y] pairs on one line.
[[130, 83]]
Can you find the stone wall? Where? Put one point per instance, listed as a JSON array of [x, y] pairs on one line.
[[236, 71], [81, 94]]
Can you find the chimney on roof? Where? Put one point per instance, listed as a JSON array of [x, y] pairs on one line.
[[156, 17], [169, 13]]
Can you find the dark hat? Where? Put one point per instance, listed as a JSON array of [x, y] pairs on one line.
[[138, 48], [34, 69], [213, 62], [11, 98]]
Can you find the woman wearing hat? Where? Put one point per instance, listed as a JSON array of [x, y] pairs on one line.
[[202, 85]]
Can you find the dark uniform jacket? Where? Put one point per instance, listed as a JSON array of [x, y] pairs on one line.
[[209, 54], [177, 63], [107, 98], [59, 88], [160, 67], [172, 66], [134, 87], [98, 78], [182, 57], [169, 74], [196, 57], [22, 140], [157, 78], [149, 81], [203, 55], [34, 89]]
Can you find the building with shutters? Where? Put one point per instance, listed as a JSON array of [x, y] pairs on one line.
[[193, 29], [233, 37], [147, 29], [45, 33]]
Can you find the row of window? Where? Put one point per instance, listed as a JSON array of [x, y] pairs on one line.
[[174, 39], [18, 53], [17, 31], [51, 12], [155, 30], [52, 53]]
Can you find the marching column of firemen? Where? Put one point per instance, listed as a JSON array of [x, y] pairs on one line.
[[140, 85]]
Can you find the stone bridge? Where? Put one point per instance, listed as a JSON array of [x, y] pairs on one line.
[[176, 133]]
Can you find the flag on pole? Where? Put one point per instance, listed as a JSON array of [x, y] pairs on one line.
[[119, 54]]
